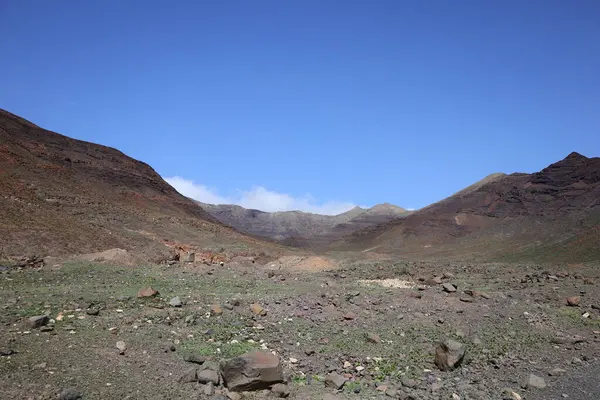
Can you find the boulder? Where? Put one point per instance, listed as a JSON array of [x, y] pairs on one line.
[[37, 321], [449, 355], [335, 380], [147, 292], [188, 257], [256, 370]]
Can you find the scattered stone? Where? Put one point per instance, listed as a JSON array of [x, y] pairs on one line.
[[565, 340], [37, 321], [257, 309], [573, 301], [466, 299], [391, 392], [280, 390], [46, 328], [216, 309], [6, 353], [70, 394], [189, 376], [449, 287], [372, 338], [349, 316], [208, 376], [588, 281], [509, 394], [147, 292], [194, 358], [209, 389], [449, 355], [169, 347], [92, 311], [121, 346], [409, 383], [175, 302], [534, 381], [436, 280], [477, 293], [252, 371], [557, 372], [188, 257], [335, 381]]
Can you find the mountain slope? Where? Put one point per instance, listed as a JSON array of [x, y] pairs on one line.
[[553, 214], [63, 196], [300, 225]]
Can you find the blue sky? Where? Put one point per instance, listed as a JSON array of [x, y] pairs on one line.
[[312, 104]]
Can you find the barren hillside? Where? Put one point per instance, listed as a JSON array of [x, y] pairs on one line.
[[553, 214], [63, 196]]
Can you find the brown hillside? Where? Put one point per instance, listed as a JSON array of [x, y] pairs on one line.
[[62, 196], [553, 214]]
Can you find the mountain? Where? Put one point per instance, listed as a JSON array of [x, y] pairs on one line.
[[294, 226], [553, 214], [63, 196]]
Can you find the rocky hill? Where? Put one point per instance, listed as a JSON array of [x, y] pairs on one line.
[[295, 226], [62, 196], [553, 214]]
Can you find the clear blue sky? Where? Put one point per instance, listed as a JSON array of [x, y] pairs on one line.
[[352, 101]]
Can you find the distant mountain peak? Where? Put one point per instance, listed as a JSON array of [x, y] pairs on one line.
[[576, 156]]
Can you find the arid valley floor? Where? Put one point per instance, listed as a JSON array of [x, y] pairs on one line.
[[338, 332]]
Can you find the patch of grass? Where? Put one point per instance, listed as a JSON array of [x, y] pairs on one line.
[[299, 380], [352, 386], [573, 316], [31, 311]]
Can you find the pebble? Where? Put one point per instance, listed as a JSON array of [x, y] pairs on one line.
[[121, 346], [175, 302], [70, 394]]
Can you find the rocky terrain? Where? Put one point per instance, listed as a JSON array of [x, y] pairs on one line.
[[300, 227], [551, 215], [359, 329]]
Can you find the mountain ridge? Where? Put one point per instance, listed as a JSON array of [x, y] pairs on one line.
[[62, 196], [283, 225], [545, 209]]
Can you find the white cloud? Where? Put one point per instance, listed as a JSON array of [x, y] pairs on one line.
[[259, 198]]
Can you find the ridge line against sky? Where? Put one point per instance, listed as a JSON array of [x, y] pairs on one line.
[[355, 102], [259, 198]]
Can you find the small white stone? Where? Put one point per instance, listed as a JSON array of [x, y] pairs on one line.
[[360, 368]]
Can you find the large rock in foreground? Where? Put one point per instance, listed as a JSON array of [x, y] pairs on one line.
[[449, 355], [252, 371]]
